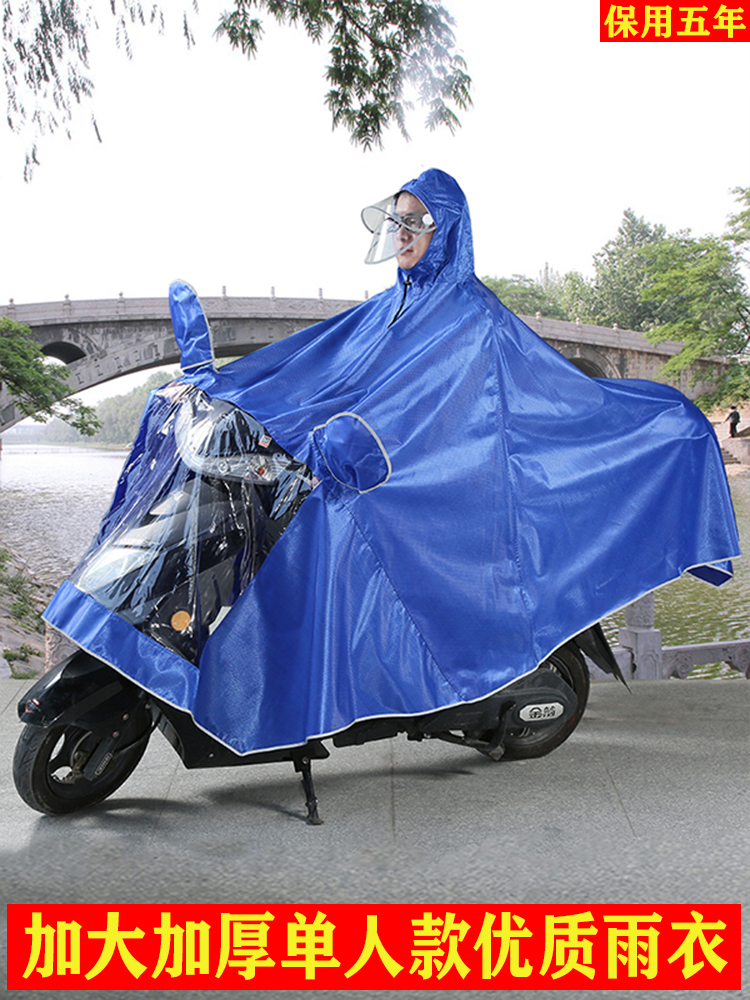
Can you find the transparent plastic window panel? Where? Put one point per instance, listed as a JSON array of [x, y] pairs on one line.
[[206, 494]]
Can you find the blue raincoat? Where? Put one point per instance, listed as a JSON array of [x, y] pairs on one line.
[[466, 501]]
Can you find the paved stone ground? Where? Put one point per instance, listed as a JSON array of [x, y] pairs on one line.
[[647, 803]]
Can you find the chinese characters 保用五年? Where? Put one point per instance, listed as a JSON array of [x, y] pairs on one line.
[[640, 22]]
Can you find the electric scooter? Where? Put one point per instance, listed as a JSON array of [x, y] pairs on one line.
[[173, 568]]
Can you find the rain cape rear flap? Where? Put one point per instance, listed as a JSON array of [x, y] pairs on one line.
[[383, 516]]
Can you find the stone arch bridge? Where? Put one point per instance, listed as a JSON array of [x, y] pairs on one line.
[[103, 339]]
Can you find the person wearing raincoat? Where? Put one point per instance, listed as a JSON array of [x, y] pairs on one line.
[[473, 501]]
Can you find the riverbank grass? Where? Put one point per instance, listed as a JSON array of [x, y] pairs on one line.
[[21, 594], [21, 602], [19, 661]]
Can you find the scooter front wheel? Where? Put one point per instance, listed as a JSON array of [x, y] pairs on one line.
[[48, 766]]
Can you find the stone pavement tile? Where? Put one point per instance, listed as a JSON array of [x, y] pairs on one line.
[[624, 807], [646, 802]]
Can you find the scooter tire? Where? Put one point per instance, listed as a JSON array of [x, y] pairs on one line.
[[523, 744], [47, 763]]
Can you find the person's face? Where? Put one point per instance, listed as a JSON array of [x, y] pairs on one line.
[[407, 204]]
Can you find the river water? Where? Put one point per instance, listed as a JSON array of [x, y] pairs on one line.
[[52, 499]]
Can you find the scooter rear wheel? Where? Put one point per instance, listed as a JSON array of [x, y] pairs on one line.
[[48, 763], [536, 742]]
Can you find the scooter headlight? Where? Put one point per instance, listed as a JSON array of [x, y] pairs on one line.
[[216, 439], [111, 563]]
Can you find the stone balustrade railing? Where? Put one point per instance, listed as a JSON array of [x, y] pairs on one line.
[[641, 655]]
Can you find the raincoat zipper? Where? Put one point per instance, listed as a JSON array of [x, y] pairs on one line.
[[407, 286]]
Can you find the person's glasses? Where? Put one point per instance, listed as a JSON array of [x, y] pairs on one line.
[[414, 223]]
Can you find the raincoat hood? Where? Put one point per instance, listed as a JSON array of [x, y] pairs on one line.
[[450, 255], [412, 503]]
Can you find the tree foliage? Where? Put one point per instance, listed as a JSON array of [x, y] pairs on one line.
[[527, 297], [39, 389], [676, 287], [120, 415], [620, 276], [577, 296], [566, 297], [700, 281], [46, 60], [738, 230], [118, 418], [380, 51]]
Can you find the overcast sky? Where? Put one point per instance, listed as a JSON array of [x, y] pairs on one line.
[[226, 173]]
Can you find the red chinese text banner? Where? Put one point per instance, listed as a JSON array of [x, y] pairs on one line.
[[409, 947], [642, 22]]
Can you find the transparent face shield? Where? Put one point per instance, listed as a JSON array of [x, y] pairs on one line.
[[394, 231]]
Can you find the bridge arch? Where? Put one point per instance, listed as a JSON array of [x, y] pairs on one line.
[[591, 362], [65, 351], [589, 368], [102, 339]]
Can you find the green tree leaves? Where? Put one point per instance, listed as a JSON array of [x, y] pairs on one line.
[[620, 276], [46, 60], [699, 282], [378, 50], [738, 230], [678, 287], [527, 297], [381, 52], [120, 416], [568, 297], [39, 390]]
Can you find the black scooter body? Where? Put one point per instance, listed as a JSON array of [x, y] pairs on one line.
[[81, 691], [85, 692]]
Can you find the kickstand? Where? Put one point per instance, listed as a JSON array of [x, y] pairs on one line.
[[302, 766]]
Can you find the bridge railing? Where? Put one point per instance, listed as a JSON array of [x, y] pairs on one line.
[[642, 656]]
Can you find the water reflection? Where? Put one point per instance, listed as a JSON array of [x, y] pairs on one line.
[[688, 611], [51, 502]]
